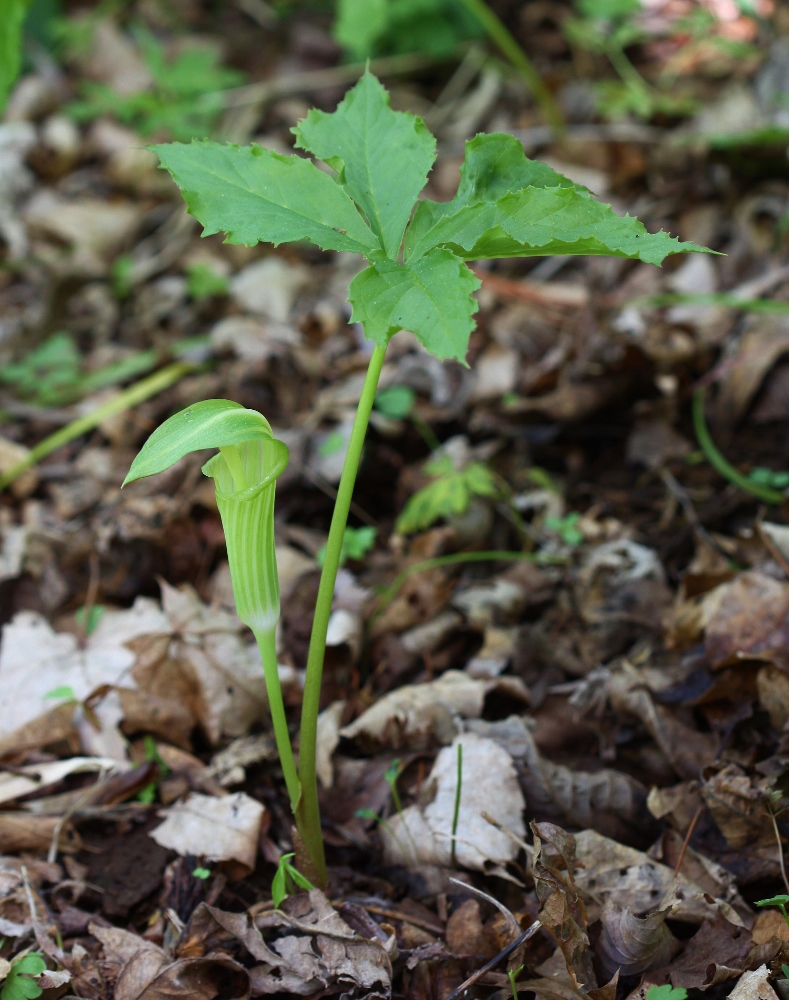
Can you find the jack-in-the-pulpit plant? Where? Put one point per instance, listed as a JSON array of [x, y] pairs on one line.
[[417, 279]]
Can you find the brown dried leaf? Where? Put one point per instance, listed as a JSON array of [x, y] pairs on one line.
[[717, 952], [751, 622], [754, 986], [220, 829], [634, 944], [562, 911]]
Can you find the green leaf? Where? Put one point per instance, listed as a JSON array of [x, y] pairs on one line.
[[541, 214], [448, 494], [255, 195], [12, 17], [773, 901], [431, 297], [396, 401], [17, 984], [382, 156], [359, 24], [285, 871], [213, 423], [667, 992]]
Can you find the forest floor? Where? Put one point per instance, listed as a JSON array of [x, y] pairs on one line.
[[621, 695]]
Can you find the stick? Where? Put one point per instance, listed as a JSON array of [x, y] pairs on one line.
[[521, 939]]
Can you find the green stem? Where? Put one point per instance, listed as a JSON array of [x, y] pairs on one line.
[[308, 813], [268, 654], [132, 396], [500, 35], [456, 813], [719, 463]]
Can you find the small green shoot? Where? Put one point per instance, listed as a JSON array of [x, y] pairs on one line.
[[285, 878], [770, 478], [203, 282], [356, 543], [19, 984], [202, 873], [456, 811], [63, 693], [12, 17], [147, 795], [566, 528], [89, 622], [449, 494], [781, 902], [184, 102], [785, 970], [395, 402], [122, 276], [49, 375], [721, 464], [666, 992], [332, 444], [512, 975]]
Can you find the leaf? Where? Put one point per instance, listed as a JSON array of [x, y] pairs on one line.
[[396, 401], [635, 944], [359, 24], [431, 297], [449, 494], [255, 196], [382, 156], [213, 423], [12, 16], [17, 985], [542, 213]]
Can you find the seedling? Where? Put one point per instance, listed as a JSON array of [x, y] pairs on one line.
[[450, 493], [11, 22], [203, 282], [417, 279], [396, 402], [667, 992], [512, 975], [456, 811], [781, 902], [19, 984], [566, 528], [286, 876], [184, 101], [202, 873], [356, 543]]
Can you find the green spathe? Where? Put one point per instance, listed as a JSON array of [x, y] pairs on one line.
[[245, 484], [506, 206]]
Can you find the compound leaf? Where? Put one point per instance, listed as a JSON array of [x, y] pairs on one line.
[[19, 984], [510, 206], [382, 156], [432, 297], [212, 423], [255, 195]]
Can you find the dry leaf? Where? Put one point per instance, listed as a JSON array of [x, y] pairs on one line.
[[489, 786], [751, 622], [754, 986], [224, 829], [418, 716], [634, 944]]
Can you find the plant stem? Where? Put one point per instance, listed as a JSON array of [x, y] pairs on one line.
[[266, 641], [719, 463], [500, 35], [135, 394], [456, 813], [308, 813]]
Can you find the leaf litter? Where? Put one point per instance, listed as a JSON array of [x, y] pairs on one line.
[[621, 695]]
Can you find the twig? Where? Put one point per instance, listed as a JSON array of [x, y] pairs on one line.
[[521, 939], [508, 916], [686, 841], [780, 848], [560, 294], [681, 495]]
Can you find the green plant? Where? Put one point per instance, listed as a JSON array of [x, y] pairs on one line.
[[183, 102], [202, 873], [151, 755], [512, 975], [417, 279], [12, 17], [456, 810], [356, 543], [566, 527], [781, 902], [390, 26], [666, 992], [449, 493], [607, 27], [285, 877], [764, 491], [203, 282], [395, 402], [19, 984]]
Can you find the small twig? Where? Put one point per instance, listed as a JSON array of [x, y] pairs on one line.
[[90, 598], [521, 843], [507, 914], [681, 495], [780, 848], [559, 294], [686, 841], [504, 953]]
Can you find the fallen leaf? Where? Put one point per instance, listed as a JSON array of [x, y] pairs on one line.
[[223, 829], [634, 944], [717, 952], [750, 622], [417, 716], [754, 986], [489, 786]]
